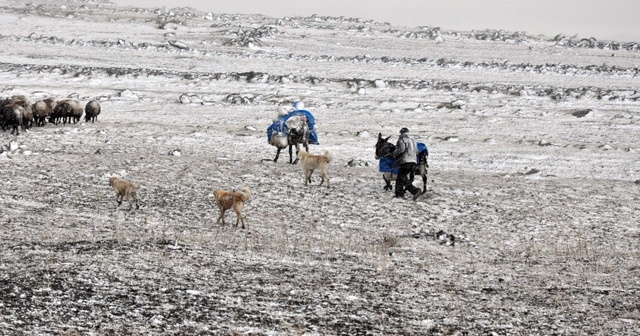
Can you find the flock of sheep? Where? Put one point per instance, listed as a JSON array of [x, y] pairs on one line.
[[17, 111]]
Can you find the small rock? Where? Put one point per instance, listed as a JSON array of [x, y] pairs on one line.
[[380, 84], [27, 152], [175, 152], [178, 44], [532, 171], [363, 134], [459, 104], [582, 113], [544, 142], [128, 94], [250, 128], [184, 99], [13, 145]]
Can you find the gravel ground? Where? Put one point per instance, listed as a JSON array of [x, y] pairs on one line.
[[528, 227]]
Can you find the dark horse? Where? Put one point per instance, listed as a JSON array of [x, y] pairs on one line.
[[297, 136], [384, 148]]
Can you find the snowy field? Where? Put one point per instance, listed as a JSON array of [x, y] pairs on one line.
[[534, 169]]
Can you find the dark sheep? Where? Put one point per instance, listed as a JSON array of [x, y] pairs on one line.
[[14, 116], [91, 111], [23, 101], [42, 110], [68, 110]]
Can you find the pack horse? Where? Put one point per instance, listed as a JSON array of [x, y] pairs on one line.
[[292, 129]]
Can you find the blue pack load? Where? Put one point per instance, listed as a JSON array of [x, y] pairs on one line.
[[387, 164], [280, 126]]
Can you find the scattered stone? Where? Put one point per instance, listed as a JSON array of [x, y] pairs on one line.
[[250, 128], [359, 163], [380, 84], [582, 113], [456, 104], [179, 45], [13, 146], [175, 152], [184, 99], [344, 133], [446, 238], [128, 94], [363, 134], [533, 172], [544, 142]]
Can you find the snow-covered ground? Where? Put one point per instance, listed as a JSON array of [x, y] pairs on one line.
[[534, 169]]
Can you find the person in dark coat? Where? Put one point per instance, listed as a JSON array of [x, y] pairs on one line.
[[405, 158]]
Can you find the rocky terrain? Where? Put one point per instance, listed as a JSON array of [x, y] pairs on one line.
[[529, 225]]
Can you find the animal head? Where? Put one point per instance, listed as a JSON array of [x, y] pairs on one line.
[[328, 155], [383, 146], [422, 157], [112, 180]]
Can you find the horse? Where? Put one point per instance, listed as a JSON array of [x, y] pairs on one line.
[[299, 133], [384, 148]]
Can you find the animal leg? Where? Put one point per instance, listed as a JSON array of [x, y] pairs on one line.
[[290, 154], [221, 216], [238, 209], [388, 185], [277, 155], [307, 176], [134, 196], [127, 196], [325, 176]]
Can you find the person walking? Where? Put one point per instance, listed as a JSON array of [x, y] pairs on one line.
[[405, 158]]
